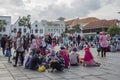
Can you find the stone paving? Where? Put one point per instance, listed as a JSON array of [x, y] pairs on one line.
[[109, 70]]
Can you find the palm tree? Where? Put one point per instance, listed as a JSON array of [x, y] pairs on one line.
[[2, 24]]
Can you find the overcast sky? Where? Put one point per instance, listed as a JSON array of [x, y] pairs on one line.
[[52, 9]]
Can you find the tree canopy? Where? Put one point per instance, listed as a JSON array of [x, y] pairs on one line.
[[25, 21], [113, 30], [75, 28], [2, 24]]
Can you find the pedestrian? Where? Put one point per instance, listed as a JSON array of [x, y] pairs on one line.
[[103, 43], [3, 42], [19, 49], [97, 38], [8, 48], [88, 57]]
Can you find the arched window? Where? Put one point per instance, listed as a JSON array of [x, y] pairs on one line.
[[36, 30]]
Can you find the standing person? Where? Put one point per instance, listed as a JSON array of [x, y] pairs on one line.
[[65, 57], [25, 43], [103, 43], [33, 45], [88, 57], [78, 38], [8, 48], [3, 42], [19, 50], [97, 38]]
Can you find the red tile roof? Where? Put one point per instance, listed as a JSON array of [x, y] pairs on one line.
[[101, 23], [80, 21]]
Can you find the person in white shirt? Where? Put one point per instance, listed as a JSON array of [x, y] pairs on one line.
[[19, 50]]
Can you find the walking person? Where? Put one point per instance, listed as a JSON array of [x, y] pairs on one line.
[[19, 50], [3, 42], [8, 48], [97, 38], [103, 43]]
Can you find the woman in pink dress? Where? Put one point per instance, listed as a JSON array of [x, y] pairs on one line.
[[65, 57], [88, 58]]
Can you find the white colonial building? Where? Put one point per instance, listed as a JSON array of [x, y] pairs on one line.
[[40, 28], [37, 28], [15, 28], [7, 28]]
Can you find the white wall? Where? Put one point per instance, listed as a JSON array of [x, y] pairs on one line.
[[8, 26]]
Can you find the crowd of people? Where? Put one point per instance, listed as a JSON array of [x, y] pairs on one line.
[[35, 52]]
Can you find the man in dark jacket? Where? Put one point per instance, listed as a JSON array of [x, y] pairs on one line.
[[3, 42]]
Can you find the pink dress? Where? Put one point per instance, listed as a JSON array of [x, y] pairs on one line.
[[88, 58], [65, 57]]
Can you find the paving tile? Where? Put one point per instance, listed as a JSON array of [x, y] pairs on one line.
[[6, 78]]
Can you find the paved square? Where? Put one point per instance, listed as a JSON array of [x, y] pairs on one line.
[[109, 70]]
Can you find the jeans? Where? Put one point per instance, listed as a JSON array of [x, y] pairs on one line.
[[3, 51]]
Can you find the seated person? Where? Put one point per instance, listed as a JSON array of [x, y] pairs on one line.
[[57, 63], [27, 60], [74, 57], [113, 48], [35, 62]]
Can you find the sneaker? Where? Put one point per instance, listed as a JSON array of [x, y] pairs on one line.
[[15, 65]]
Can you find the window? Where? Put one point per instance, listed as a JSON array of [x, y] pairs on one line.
[[24, 30], [62, 25], [31, 31], [43, 24], [36, 25], [48, 29], [19, 30], [36, 30], [4, 29], [14, 30], [51, 29], [41, 30]]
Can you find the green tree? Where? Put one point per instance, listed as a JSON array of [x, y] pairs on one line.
[[75, 28], [2, 24], [113, 30], [25, 21]]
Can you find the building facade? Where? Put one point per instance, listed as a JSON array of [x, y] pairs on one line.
[[40, 28], [7, 28]]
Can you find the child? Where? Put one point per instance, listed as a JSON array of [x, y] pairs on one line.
[[88, 58]]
